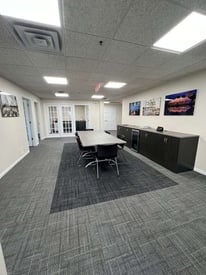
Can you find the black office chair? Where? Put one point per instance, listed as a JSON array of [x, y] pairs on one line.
[[106, 153], [85, 152]]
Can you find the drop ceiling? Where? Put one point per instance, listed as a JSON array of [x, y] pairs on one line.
[[127, 28]]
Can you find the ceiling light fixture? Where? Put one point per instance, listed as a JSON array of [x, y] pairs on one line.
[[106, 102], [97, 96], [115, 85], [56, 80], [46, 12], [185, 35], [4, 93], [61, 94]]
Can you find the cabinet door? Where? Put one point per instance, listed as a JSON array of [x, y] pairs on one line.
[[157, 148], [119, 130], [145, 146], [165, 150], [171, 148], [125, 134], [128, 135]]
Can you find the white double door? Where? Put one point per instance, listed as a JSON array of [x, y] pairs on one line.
[[60, 120]]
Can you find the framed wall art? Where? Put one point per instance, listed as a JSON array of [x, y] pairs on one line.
[[134, 108], [180, 104], [8, 105], [151, 107]]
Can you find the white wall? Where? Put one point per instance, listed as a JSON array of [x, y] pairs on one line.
[[13, 136], [80, 112], [186, 124]]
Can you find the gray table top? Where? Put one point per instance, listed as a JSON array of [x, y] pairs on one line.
[[93, 138]]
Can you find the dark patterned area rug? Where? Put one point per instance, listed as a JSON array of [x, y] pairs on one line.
[[77, 186]]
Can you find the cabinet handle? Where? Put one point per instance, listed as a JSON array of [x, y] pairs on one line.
[[165, 140]]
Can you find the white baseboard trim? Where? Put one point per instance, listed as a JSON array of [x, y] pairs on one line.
[[2, 263], [12, 165], [200, 171]]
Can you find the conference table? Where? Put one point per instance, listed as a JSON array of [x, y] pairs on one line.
[[94, 138]]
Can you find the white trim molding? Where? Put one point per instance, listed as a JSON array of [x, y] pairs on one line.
[[12, 165], [2, 263], [200, 171]]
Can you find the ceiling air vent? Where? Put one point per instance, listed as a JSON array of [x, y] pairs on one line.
[[35, 37]]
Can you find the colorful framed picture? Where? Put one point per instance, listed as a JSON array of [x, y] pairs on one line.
[[151, 107], [180, 104], [134, 108]]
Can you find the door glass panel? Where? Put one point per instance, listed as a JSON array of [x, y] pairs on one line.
[[53, 120], [66, 119]]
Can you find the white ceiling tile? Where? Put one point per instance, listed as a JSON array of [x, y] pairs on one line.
[[110, 68], [98, 17], [6, 40], [52, 72], [179, 62], [153, 58], [142, 72], [84, 45], [122, 52], [147, 21], [47, 60], [13, 57], [80, 65], [197, 5]]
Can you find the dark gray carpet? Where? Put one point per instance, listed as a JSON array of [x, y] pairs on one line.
[[77, 186]]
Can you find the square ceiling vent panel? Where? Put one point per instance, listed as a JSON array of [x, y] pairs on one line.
[[35, 37]]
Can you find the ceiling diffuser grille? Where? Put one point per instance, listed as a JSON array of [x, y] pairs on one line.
[[35, 37]]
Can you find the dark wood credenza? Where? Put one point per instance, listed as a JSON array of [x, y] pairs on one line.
[[173, 150]]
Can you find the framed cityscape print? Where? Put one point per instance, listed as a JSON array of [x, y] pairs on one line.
[[134, 108]]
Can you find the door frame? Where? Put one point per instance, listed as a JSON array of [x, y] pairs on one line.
[[47, 122], [28, 120]]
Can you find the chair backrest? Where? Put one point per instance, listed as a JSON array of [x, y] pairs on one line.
[[79, 143], [106, 151]]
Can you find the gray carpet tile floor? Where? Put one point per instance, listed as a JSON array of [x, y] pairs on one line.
[[157, 232]]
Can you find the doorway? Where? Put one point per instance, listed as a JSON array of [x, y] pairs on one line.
[[28, 121], [60, 120], [110, 117], [82, 117]]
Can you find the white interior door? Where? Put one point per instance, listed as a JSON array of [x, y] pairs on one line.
[[53, 120], [60, 120], [109, 118], [66, 120]]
